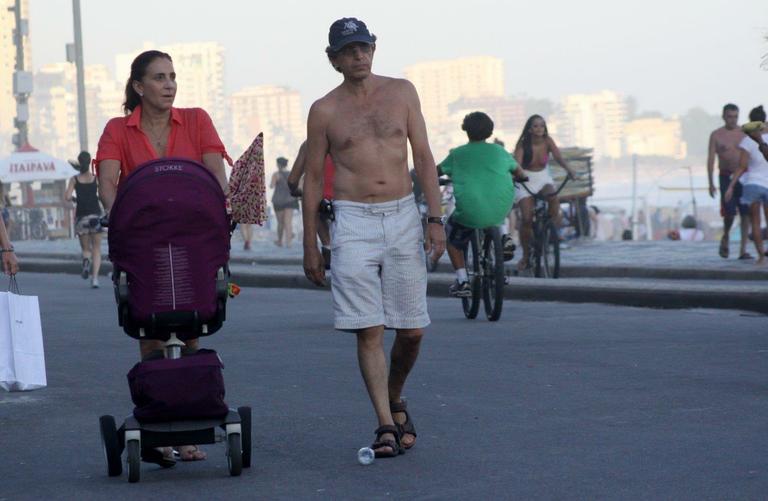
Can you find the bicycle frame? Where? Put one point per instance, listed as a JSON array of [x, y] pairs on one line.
[[541, 223], [485, 271], [541, 213], [539, 196]]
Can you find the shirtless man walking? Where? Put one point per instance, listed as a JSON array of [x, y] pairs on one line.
[[378, 276], [724, 144]]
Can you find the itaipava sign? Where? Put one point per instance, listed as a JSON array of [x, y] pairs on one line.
[[29, 167]]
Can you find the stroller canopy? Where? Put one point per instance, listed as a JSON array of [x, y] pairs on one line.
[[169, 231]]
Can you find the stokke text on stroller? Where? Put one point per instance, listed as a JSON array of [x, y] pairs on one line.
[[169, 246]]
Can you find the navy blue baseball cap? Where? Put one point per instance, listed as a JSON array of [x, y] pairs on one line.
[[346, 31]]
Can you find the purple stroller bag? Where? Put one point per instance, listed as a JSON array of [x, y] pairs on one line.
[[169, 239], [190, 387]]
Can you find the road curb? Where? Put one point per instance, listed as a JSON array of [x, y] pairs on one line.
[[566, 271], [635, 296], [530, 290]]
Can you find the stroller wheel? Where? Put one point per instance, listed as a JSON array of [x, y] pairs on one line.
[[234, 454], [111, 445], [134, 461], [245, 426]]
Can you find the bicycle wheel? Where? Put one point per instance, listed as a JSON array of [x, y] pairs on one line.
[[472, 261], [548, 257], [493, 274], [537, 248], [39, 231]]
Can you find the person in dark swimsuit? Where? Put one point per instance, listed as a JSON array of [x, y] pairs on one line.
[[284, 203], [87, 214], [8, 262], [5, 204]]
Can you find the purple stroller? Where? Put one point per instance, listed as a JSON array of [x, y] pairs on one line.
[[169, 244]]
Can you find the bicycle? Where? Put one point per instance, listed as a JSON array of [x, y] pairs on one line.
[[485, 273], [545, 245], [485, 270]]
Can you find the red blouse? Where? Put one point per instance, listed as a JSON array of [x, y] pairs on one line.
[[192, 135]]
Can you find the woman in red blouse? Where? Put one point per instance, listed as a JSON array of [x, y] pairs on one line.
[[152, 128]]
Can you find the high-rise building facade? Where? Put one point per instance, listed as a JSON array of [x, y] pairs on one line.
[[508, 115], [53, 111], [594, 121], [200, 76], [655, 137], [274, 110], [441, 83], [104, 98], [53, 107]]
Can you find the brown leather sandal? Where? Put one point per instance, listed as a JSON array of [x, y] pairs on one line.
[[392, 444], [162, 456], [406, 428]]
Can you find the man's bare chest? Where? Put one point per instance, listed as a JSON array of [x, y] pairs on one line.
[[354, 124], [727, 142]]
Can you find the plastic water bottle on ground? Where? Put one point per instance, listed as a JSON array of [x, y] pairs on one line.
[[365, 456]]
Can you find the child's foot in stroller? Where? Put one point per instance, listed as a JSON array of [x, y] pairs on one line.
[[191, 453]]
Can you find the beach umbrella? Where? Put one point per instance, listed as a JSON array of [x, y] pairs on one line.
[[29, 164]]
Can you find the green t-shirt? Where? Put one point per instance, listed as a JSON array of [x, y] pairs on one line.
[[482, 183]]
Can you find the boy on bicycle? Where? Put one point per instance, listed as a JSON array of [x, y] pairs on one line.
[[481, 173]]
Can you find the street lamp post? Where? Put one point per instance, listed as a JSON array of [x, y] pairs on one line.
[[82, 118], [22, 80], [633, 215], [693, 194]]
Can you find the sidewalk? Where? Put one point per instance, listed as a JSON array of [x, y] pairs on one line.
[[659, 274]]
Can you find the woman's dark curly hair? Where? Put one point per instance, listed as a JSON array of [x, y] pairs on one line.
[[526, 140]]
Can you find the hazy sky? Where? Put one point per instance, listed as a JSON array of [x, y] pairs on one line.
[[671, 55]]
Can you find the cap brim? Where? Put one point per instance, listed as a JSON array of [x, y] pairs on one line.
[[362, 37]]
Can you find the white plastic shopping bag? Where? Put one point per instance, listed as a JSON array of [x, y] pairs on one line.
[[22, 363]]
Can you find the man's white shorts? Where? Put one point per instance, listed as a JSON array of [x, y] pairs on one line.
[[537, 180], [378, 275]]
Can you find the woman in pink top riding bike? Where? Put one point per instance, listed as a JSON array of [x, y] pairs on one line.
[[532, 153]]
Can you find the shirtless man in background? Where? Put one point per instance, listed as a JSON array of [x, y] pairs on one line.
[[378, 275], [294, 181], [724, 144]]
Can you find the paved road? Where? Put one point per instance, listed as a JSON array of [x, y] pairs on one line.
[[554, 401]]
